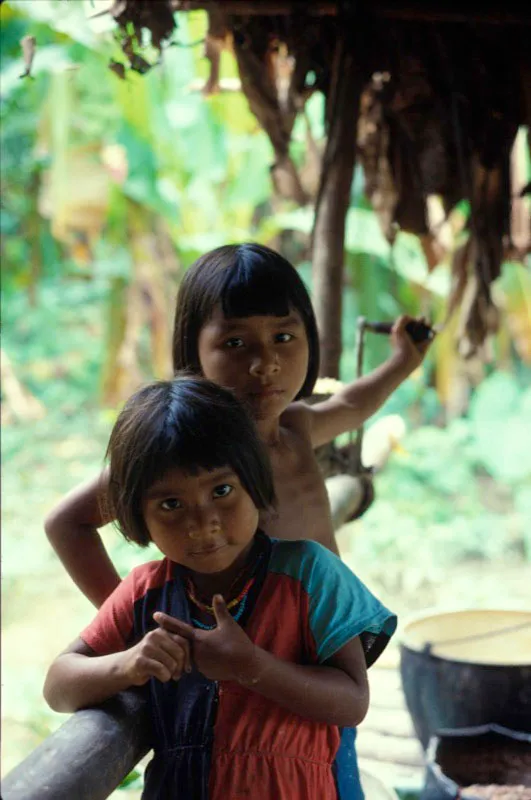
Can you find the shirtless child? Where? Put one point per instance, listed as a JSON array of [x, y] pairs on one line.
[[245, 321]]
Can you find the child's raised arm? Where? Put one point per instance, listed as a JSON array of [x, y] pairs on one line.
[[335, 693], [358, 401], [72, 529]]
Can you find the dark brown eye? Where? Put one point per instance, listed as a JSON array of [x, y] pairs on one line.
[[283, 338], [171, 504], [223, 490]]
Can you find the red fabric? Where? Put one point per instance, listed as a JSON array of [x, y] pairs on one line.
[[112, 629], [288, 758]]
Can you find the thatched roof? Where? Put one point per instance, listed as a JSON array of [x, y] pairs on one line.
[[442, 90]]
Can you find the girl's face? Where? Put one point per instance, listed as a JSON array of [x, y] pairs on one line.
[[205, 522], [263, 359]]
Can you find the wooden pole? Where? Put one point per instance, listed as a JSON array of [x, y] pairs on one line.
[[328, 241]]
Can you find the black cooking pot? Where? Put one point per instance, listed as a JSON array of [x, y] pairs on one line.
[[466, 668]]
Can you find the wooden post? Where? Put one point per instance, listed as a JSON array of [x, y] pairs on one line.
[[328, 245]]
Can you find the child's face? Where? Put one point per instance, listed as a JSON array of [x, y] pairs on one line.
[[204, 522], [263, 359]]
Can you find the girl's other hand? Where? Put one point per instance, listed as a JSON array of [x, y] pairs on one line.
[[223, 654], [160, 654], [409, 353]]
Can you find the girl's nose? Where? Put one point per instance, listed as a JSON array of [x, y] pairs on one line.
[[264, 363], [203, 522]]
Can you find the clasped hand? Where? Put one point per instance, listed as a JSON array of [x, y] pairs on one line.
[[223, 653], [409, 352]]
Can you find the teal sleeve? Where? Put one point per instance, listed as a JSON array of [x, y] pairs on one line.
[[341, 607]]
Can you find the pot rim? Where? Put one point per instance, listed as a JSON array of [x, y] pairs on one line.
[[406, 644]]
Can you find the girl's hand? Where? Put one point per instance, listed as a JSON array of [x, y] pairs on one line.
[[409, 353], [223, 654], [160, 654]]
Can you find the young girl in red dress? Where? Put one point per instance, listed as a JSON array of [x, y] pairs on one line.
[[253, 650]]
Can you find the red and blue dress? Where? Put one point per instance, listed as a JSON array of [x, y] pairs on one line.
[[219, 741]]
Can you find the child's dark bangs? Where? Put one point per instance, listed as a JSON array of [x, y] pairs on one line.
[[190, 451], [257, 292]]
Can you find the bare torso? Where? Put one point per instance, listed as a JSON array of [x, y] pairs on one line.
[[303, 509]]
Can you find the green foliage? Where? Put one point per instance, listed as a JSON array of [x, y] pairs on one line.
[[132, 781], [454, 494], [500, 415], [61, 370]]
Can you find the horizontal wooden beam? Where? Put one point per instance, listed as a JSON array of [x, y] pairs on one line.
[[503, 14], [87, 757]]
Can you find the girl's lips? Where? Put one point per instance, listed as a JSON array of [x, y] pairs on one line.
[[266, 391], [207, 551]]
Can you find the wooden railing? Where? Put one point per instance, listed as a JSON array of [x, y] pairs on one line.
[[87, 757]]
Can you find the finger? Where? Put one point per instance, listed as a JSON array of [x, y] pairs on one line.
[[180, 650], [174, 625], [172, 643], [177, 656], [164, 650], [400, 324], [221, 612], [154, 668]]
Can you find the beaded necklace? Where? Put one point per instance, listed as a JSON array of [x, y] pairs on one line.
[[235, 616], [210, 609], [240, 600]]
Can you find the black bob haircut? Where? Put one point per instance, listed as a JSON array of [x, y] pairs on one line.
[[246, 280], [188, 423]]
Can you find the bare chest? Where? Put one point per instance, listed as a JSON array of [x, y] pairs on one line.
[[303, 510]]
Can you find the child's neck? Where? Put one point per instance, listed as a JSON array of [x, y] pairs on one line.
[[269, 430], [223, 582]]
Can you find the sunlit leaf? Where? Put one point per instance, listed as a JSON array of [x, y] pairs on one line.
[[513, 292]]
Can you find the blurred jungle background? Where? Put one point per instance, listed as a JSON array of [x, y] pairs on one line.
[[111, 187]]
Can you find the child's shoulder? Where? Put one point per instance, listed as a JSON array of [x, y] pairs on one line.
[[151, 575], [298, 546], [296, 417], [301, 557]]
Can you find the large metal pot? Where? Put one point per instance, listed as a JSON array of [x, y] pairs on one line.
[[465, 668]]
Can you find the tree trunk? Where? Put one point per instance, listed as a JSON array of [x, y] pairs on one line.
[[116, 323], [328, 249]]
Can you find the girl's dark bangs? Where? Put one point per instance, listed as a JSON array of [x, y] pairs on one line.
[[255, 292], [191, 452]]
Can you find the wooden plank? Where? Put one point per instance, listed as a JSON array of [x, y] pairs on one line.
[[397, 750], [390, 659], [389, 722], [396, 775], [386, 689], [391, 701], [385, 681]]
